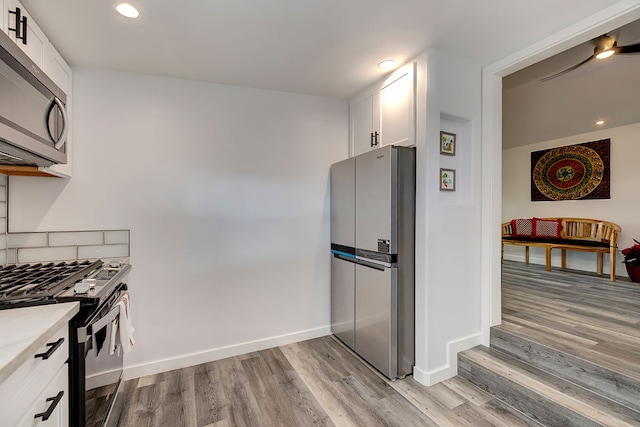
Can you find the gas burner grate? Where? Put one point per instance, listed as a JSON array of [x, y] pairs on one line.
[[41, 281]]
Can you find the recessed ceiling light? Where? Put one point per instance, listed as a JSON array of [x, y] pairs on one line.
[[600, 122], [605, 54], [387, 64], [125, 9]]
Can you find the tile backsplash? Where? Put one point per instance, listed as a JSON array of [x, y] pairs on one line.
[[67, 245], [50, 246]]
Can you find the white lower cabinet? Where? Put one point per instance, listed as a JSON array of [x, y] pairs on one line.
[[39, 386], [51, 407]]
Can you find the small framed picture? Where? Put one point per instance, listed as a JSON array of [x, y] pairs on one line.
[[447, 143], [447, 179]]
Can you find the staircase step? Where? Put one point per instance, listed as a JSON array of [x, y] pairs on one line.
[[550, 400], [609, 377]]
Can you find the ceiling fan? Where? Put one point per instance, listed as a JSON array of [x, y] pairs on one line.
[[605, 46]]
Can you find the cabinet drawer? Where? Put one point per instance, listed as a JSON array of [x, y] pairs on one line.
[[51, 403], [21, 388]]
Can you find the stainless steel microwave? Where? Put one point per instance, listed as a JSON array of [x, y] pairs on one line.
[[33, 117]]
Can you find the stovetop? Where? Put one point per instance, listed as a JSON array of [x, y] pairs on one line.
[[44, 283]]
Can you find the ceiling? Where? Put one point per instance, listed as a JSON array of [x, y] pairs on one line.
[[318, 47], [570, 104]]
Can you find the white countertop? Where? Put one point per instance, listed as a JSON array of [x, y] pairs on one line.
[[24, 330]]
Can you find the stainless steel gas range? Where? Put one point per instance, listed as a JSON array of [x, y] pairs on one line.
[[97, 286]]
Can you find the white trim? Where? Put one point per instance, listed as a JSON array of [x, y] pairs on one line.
[[450, 370], [184, 361], [610, 18]]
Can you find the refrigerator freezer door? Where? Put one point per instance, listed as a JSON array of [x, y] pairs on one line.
[[375, 204], [343, 207], [343, 276], [376, 317]]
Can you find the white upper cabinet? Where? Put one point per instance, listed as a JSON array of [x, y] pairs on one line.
[[3, 21], [56, 68], [397, 107], [364, 122], [384, 114], [29, 37]]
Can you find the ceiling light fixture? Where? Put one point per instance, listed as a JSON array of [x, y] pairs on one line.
[[125, 9], [605, 54], [387, 64], [600, 122]]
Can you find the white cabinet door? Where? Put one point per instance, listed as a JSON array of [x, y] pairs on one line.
[[397, 108], [36, 39], [56, 68], [3, 18], [363, 111], [384, 114], [52, 404]]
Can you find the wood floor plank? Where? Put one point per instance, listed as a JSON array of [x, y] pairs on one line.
[[467, 390], [244, 411], [211, 403]]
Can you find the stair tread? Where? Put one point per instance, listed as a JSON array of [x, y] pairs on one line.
[[570, 396], [594, 353]]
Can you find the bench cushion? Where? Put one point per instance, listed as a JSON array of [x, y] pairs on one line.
[[522, 227], [547, 228], [558, 241]]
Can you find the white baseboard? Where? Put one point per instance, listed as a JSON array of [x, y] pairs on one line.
[[184, 361], [450, 370]]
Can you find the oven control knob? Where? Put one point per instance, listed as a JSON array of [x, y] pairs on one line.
[[81, 288], [84, 286]]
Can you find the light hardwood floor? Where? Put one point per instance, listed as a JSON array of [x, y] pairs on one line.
[[322, 383], [312, 383], [580, 313]]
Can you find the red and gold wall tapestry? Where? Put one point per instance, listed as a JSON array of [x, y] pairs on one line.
[[571, 173]]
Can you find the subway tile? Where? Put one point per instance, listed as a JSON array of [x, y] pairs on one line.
[[3, 209], [12, 256], [46, 254], [27, 240], [75, 238], [3, 194], [3, 226], [112, 237], [3, 257], [104, 251], [3, 241], [3, 179]]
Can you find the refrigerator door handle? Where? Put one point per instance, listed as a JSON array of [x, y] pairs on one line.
[[345, 258], [373, 265]]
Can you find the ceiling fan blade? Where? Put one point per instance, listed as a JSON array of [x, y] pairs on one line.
[[632, 48], [567, 70]]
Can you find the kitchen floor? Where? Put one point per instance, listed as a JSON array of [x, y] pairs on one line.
[[312, 383]]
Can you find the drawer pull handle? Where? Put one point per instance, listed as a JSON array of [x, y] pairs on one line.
[[54, 402], [54, 346]]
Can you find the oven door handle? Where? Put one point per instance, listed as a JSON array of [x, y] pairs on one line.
[[86, 332]]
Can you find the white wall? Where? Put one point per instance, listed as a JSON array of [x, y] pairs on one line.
[[225, 190], [621, 209], [448, 223]]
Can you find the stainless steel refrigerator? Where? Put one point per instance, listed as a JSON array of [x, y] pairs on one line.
[[372, 264]]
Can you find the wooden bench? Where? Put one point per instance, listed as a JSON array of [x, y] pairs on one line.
[[577, 234]]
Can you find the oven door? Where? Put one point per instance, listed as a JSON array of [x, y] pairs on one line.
[[99, 367]]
